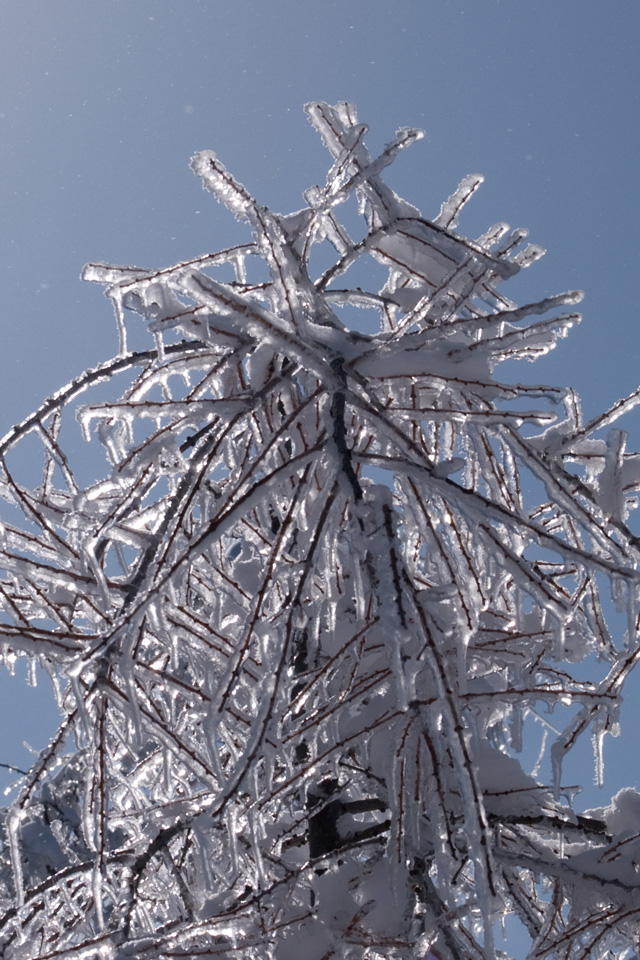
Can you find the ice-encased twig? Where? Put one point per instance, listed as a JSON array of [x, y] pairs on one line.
[[303, 589]]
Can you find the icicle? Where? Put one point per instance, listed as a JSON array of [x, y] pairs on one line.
[[599, 731], [120, 323], [232, 835], [97, 887], [13, 833]]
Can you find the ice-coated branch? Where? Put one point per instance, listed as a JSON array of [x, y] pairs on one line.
[[307, 593]]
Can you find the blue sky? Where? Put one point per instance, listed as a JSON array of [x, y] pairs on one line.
[[102, 103]]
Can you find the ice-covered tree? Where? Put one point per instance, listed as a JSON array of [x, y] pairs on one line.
[[306, 586]]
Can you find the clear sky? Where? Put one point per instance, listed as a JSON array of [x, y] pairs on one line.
[[102, 103]]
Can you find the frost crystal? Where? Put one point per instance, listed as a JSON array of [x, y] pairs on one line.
[[306, 592]]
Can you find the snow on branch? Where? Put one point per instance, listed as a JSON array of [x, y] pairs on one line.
[[306, 593]]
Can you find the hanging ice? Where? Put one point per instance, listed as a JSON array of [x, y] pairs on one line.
[[307, 594]]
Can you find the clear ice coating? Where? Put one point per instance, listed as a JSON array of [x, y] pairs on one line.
[[307, 595]]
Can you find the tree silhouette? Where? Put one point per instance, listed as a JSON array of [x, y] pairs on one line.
[[304, 579]]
